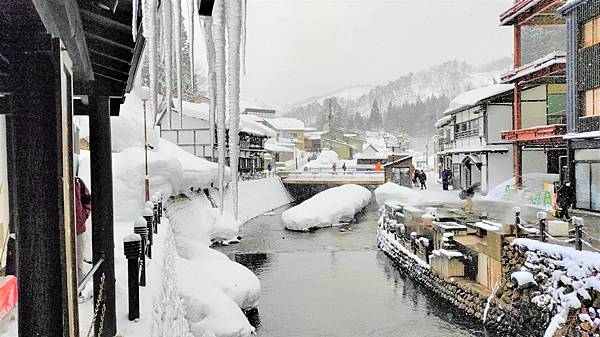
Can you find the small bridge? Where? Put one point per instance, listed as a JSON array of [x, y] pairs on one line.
[[303, 185]]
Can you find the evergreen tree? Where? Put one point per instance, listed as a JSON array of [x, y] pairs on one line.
[[375, 119]]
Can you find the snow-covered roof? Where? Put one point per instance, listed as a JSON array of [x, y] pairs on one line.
[[475, 149], [475, 97], [399, 160], [553, 59], [583, 135], [570, 5], [273, 146], [285, 123], [378, 155], [443, 121], [248, 123], [313, 135]]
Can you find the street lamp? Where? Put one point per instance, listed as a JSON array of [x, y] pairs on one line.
[[143, 93]]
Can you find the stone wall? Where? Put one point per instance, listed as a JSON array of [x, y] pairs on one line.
[[462, 297]]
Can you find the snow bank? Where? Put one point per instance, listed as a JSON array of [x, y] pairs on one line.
[[537, 190], [394, 192], [196, 225], [214, 288], [325, 160], [257, 197], [327, 208]]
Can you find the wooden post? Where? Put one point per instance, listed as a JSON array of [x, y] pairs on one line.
[[38, 189], [102, 206], [517, 150], [132, 249], [542, 218]]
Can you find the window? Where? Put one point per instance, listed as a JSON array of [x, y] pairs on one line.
[[592, 103], [591, 32]]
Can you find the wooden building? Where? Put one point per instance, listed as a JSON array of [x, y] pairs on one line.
[[583, 101], [539, 97], [399, 170], [469, 137], [57, 59]]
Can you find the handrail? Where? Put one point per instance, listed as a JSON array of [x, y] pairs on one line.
[[89, 275]]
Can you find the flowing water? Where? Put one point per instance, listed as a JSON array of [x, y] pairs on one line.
[[332, 283]]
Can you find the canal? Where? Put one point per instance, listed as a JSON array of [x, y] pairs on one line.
[[335, 283]]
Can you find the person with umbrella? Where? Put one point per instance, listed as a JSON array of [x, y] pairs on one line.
[[468, 194]]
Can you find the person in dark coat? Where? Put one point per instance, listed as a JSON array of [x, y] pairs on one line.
[[564, 201], [344, 167], [422, 179], [445, 179]]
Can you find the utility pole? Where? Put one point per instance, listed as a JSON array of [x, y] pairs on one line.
[[331, 123], [144, 94]]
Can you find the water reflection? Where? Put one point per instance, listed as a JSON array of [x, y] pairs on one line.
[[327, 284]]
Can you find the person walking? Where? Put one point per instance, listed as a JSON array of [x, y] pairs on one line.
[[422, 179], [468, 194], [563, 199], [334, 167], [344, 167], [445, 179], [83, 208], [270, 168]]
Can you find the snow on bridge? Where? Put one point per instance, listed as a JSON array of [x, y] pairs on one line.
[[335, 178]]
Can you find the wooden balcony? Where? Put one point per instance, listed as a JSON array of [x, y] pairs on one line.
[[532, 12], [537, 135]]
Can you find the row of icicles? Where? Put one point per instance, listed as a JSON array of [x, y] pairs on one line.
[[224, 34]]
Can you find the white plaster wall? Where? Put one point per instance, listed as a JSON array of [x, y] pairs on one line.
[[499, 118], [533, 114], [500, 167], [535, 161]]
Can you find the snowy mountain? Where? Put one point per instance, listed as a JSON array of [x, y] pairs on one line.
[[416, 98]]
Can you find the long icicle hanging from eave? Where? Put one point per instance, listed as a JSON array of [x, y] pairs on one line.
[[134, 18], [219, 41], [212, 80], [149, 21], [178, 27], [191, 7], [168, 50], [234, 31]]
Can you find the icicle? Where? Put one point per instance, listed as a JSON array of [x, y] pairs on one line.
[[149, 22], [244, 20], [219, 36], [178, 59], [212, 80], [191, 37], [168, 27], [234, 30], [134, 17]]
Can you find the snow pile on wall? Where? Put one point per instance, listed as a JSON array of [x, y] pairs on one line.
[[325, 160], [394, 192], [214, 288], [257, 197], [327, 208], [537, 190], [570, 280]]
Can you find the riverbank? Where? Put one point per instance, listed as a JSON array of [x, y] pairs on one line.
[[514, 287], [334, 283]]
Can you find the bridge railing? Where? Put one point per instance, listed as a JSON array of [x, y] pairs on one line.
[[336, 176]]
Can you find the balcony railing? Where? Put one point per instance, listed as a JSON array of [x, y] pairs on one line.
[[538, 133], [589, 123]]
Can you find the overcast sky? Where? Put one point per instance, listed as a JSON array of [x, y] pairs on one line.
[[297, 49]]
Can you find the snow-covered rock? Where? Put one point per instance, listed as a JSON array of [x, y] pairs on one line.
[[523, 278], [327, 208]]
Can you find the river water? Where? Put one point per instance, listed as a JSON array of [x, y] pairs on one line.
[[333, 283]]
